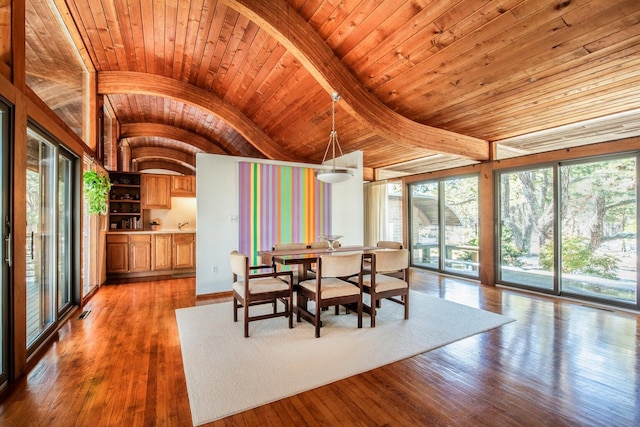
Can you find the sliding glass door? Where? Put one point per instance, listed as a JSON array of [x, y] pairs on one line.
[[49, 203], [527, 228], [599, 229], [444, 225], [5, 248], [572, 229], [65, 243], [41, 231], [425, 224], [461, 251]]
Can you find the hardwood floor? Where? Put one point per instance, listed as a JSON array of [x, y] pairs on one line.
[[560, 363]]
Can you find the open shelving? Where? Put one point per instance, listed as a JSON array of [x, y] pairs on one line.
[[125, 211]]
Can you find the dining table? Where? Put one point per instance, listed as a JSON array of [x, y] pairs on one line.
[[305, 258]]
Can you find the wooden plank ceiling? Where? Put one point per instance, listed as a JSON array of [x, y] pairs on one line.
[[425, 84]]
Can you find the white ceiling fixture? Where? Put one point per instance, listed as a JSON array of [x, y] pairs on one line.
[[334, 174]]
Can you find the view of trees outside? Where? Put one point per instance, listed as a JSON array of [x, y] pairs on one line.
[[425, 231], [41, 244], [457, 198], [598, 229], [461, 237], [527, 225]]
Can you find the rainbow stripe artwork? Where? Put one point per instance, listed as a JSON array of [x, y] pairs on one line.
[[280, 204]]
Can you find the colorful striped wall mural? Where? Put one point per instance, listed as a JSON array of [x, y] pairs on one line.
[[280, 204]]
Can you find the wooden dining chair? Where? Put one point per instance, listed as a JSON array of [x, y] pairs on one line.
[[384, 244], [383, 282], [321, 244], [331, 287], [259, 285]]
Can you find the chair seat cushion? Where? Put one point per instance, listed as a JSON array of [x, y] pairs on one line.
[[261, 285], [331, 288], [384, 283]]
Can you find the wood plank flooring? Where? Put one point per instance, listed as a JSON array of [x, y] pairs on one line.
[[561, 363]]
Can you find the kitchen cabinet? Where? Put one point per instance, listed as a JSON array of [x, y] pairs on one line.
[[161, 255], [135, 254], [117, 253], [139, 253], [183, 186], [155, 191], [184, 249]]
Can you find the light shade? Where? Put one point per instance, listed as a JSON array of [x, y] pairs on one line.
[[333, 176]]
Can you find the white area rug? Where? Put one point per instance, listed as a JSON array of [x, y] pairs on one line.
[[227, 373]]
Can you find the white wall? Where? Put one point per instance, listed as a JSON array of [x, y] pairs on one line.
[[183, 209], [217, 210]]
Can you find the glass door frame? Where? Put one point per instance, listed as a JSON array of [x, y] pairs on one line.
[[6, 114], [74, 240], [442, 208]]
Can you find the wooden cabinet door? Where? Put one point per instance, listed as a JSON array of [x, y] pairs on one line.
[[183, 186], [161, 252], [140, 253], [184, 249], [156, 191], [117, 257]]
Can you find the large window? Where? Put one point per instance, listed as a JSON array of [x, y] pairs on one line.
[[49, 234], [444, 225], [571, 229]]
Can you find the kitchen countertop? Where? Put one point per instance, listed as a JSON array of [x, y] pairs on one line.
[[161, 231]]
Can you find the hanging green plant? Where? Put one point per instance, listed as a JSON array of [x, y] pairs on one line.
[[96, 192]]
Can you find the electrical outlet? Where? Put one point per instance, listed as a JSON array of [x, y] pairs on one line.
[[233, 218], [214, 269]]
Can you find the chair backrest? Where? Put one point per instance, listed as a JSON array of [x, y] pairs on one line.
[[239, 263], [286, 246], [389, 244], [340, 264], [391, 260]]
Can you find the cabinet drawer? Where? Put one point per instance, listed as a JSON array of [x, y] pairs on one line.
[[140, 238], [117, 238]]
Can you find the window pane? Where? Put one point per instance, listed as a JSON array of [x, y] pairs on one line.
[[41, 237], [87, 243], [425, 238], [64, 231], [461, 226], [55, 71], [599, 229], [527, 228]]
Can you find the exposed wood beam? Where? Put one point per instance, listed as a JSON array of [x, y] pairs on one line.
[[132, 130], [159, 159], [165, 164], [128, 82], [164, 153], [283, 23]]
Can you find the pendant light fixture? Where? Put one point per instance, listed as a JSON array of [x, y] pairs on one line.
[[333, 175]]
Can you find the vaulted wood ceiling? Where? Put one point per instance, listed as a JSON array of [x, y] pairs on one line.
[[425, 84]]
